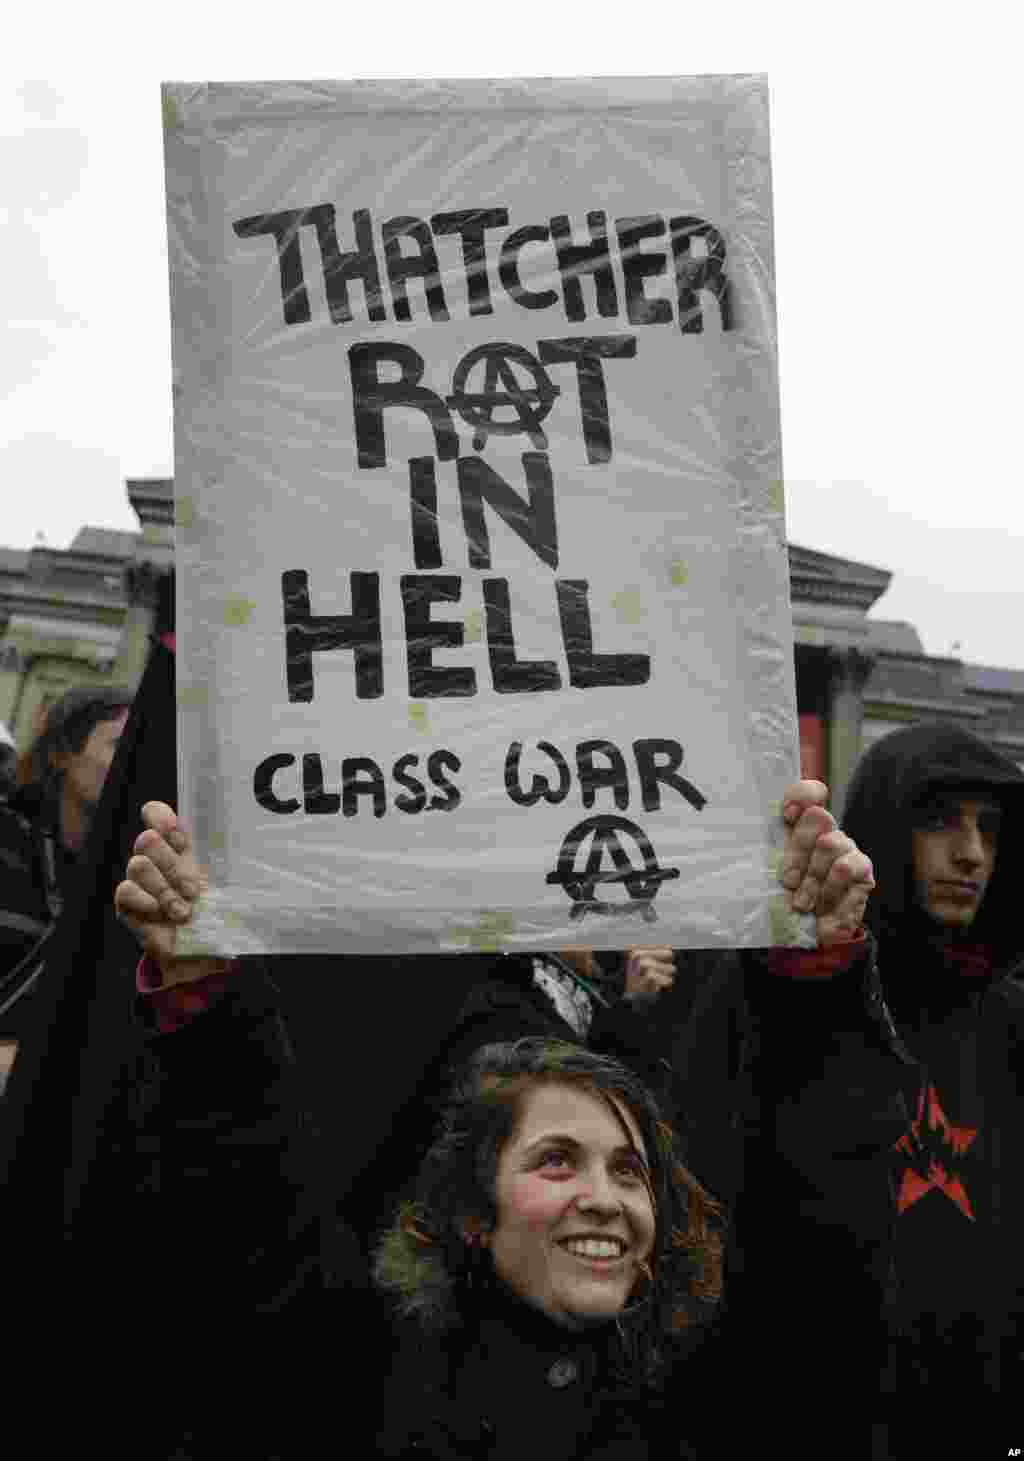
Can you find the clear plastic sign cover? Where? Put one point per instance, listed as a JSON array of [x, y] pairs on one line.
[[484, 637]]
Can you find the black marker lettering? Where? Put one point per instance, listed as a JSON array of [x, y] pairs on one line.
[[512, 676], [438, 762], [263, 785], [533, 520], [426, 541], [587, 669], [694, 274], [423, 636], [471, 224], [316, 799], [586, 354], [306, 634], [508, 269], [339, 268], [592, 777], [285, 230], [589, 258], [418, 800], [422, 265], [540, 786], [362, 777], [651, 774], [638, 266]]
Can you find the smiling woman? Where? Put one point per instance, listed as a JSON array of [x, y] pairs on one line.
[[556, 1243], [575, 1218]]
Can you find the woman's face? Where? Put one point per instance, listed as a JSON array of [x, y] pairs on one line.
[[86, 770], [574, 1220]]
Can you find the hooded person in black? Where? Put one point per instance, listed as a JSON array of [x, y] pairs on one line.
[[941, 816], [44, 826]]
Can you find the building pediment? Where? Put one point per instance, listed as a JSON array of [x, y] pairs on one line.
[[153, 500], [820, 578]]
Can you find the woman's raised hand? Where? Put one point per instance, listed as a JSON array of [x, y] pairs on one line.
[[162, 882]]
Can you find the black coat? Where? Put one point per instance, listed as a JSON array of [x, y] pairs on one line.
[[787, 1101], [223, 1251], [786, 1093], [957, 1296], [513, 1384], [36, 874]]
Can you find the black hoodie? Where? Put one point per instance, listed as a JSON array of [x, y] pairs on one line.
[[958, 1192]]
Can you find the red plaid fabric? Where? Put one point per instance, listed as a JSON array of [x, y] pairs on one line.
[[170, 1007], [816, 963]]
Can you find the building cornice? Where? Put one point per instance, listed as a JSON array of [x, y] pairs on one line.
[[820, 578], [884, 707], [153, 499]]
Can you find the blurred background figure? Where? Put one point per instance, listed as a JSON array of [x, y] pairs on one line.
[[44, 825], [7, 755]]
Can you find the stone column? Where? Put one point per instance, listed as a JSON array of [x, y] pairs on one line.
[[11, 671], [141, 581], [848, 673]]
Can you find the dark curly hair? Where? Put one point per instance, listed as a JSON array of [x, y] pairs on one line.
[[69, 723], [423, 1261]]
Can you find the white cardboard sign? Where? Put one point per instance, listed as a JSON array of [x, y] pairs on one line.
[[484, 631]]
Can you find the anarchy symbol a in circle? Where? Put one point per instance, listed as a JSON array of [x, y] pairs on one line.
[[581, 883], [502, 391]]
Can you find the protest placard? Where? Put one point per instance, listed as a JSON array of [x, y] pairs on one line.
[[484, 631]]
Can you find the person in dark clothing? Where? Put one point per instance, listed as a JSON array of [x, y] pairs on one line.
[[556, 1264], [612, 1007], [43, 829], [785, 1093], [7, 759], [942, 817], [219, 1162], [610, 1004]]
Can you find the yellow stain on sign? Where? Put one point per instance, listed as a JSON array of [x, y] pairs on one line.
[[189, 945], [678, 573], [184, 511], [169, 111], [783, 923], [474, 626], [192, 697], [487, 935], [418, 717], [628, 605], [216, 842], [775, 496], [237, 611]]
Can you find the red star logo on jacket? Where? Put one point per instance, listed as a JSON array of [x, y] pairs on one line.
[[933, 1147]]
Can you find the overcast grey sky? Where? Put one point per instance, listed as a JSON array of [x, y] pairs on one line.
[[895, 141]]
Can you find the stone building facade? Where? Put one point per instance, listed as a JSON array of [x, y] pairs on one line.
[[85, 614], [860, 677]]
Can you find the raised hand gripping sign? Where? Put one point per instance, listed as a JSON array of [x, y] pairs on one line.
[[484, 631]]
